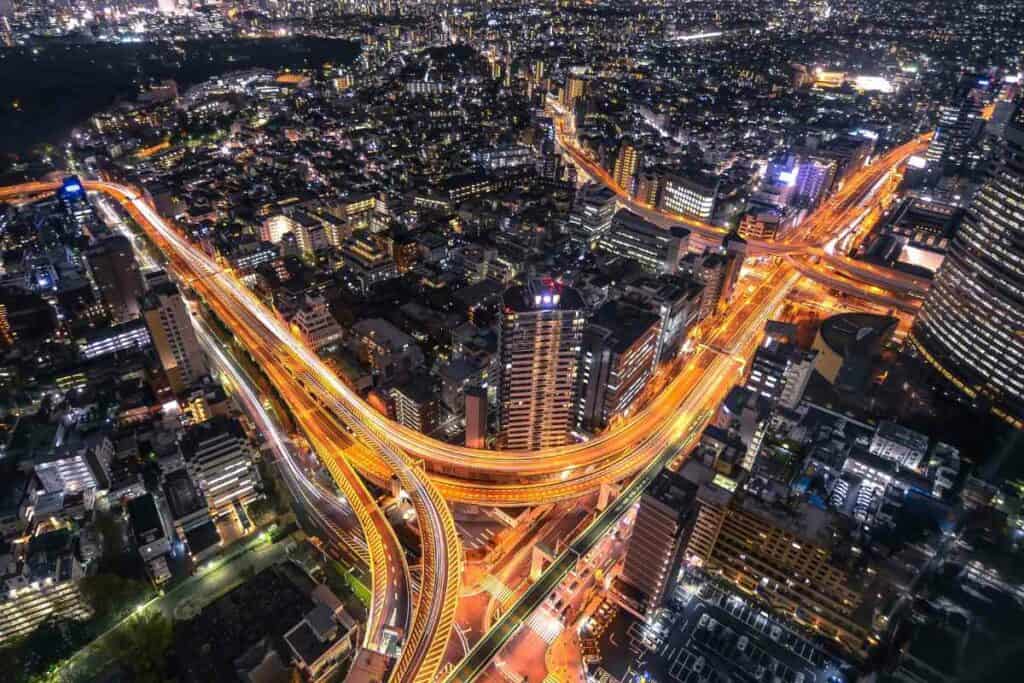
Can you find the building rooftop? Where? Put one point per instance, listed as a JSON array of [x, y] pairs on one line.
[[540, 295], [851, 333], [626, 323]]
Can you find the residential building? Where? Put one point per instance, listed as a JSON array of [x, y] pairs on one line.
[[315, 324], [655, 549], [618, 358], [219, 458], [174, 338], [539, 339], [115, 275]]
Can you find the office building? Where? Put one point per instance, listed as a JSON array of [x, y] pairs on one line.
[[960, 124], [655, 550], [899, 444], [115, 276], [591, 217], [170, 328], [77, 209], [780, 372], [539, 341], [676, 300], [219, 458], [970, 325], [618, 358], [657, 250], [690, 195], [130, 336]]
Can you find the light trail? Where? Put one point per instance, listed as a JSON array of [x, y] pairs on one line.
[[458, 473], [434, 614]]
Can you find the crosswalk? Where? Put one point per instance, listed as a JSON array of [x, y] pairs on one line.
[[541, 621], [497, 588], [545, 624]]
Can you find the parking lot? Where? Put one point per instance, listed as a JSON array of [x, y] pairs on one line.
[[710, 637]]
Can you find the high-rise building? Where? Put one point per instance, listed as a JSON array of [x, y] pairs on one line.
[[173, 336], [538, 345], [115, 276], [735, 249], [219, 457], [617, 360], [960, 125], [657, 250], [476, 417], [971, 324], [6, 334], [709, 269], [77, 209], [659, 536], [648, 188], [626, 163], [592, 213], [575, 89], [676, 300]]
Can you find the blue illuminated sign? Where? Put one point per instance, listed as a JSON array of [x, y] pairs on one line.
[[72, 187]]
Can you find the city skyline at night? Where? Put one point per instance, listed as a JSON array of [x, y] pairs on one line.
[[564, 342]]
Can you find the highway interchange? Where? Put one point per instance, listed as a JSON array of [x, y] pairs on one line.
[[349, 435]]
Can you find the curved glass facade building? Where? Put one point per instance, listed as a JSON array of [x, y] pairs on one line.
[[971, 327]]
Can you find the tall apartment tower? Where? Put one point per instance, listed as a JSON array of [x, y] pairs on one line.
[[971, 324], [626, 164], [539, 344], [659, 535], [173, 336], [115, 275]]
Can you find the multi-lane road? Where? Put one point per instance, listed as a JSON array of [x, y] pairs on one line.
[[807, 242], [288, 363], [529, 477], [346, 431]]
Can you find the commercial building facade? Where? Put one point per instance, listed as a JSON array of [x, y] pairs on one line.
[[970, 324]]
